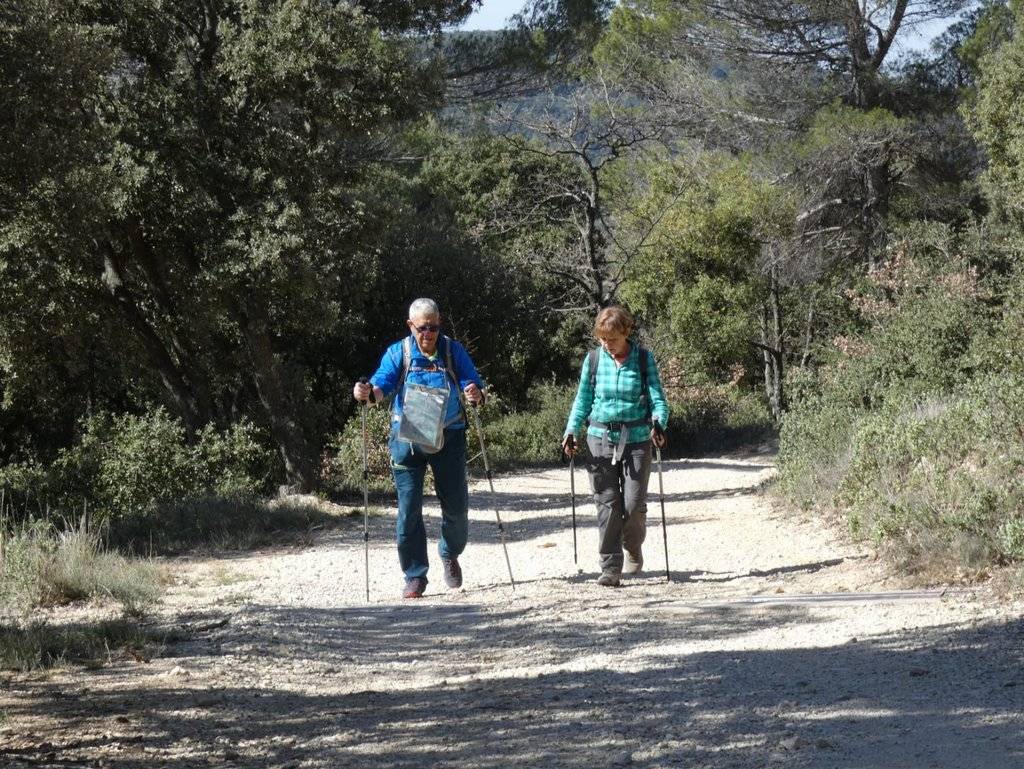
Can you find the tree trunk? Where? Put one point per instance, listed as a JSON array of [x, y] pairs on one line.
[[809, 329], [181, 348], [591, 238], [865, 62], [772, 349], [273, 394], [874, 210], [184, 398], [778, 396]]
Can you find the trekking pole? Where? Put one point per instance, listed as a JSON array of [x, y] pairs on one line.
[[494, 496], [661, 495], [366, 493], [571, 445]]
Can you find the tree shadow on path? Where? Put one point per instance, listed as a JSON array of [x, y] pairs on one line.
[[466, 686]]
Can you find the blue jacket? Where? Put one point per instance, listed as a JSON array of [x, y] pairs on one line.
[[429, 372]]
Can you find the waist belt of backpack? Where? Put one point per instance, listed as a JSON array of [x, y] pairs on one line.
[[623, 428]]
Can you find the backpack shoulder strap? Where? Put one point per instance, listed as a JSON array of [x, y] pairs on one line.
[[449, 364], [595, 357], [406, 360], [643, 381]]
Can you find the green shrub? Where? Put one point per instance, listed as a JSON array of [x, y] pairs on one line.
[[43, 566], [231, 523], [343, 469], [937, 481], [814, 450], [937, 478], [914, 430], [715, 419], [1011, 538], [127, 471], [133, 465], [522, 438]]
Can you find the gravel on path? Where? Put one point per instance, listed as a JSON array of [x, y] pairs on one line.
[[775, 644]]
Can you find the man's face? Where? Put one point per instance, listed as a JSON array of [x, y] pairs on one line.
[[426, 329]]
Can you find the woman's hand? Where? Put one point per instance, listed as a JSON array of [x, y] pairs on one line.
[[569, 445], [658, 435]]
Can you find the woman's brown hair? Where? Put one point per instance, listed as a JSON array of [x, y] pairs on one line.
[[615, 320]]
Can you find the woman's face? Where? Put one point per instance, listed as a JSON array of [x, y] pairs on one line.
[[615, 343]]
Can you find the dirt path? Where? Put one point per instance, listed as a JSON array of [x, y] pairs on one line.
[[774, 645]]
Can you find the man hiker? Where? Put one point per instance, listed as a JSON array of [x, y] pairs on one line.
[[621, 398], [426, 372]]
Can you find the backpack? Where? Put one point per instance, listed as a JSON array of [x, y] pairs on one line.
[[595, 355]]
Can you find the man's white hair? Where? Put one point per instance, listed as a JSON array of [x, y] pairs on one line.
[[424, 308]]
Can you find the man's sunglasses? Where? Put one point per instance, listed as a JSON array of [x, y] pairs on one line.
[[427, 327]]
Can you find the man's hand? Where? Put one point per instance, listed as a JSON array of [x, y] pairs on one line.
[[473, 394], [362, 391], [569, 445]]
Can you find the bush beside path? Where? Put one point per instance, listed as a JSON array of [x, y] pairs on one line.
[[776, 643]]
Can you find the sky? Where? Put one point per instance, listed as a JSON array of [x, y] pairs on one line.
[[491, 14]]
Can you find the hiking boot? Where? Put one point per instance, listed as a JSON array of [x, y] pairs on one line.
[[452, 572], [634, 562], [414, 587], [608, 579]]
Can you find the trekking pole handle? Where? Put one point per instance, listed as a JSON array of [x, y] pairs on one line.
[[659, 433], [479, 403], [567, 449], [365, 380]]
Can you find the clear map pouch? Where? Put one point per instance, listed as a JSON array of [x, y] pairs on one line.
[[423, 412]]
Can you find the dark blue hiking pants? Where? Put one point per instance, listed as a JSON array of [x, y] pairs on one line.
[[408, 466]]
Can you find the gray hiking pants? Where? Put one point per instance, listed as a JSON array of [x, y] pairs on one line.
[[620, 493]]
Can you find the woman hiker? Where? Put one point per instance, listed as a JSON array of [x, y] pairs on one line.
[[619, 393]]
